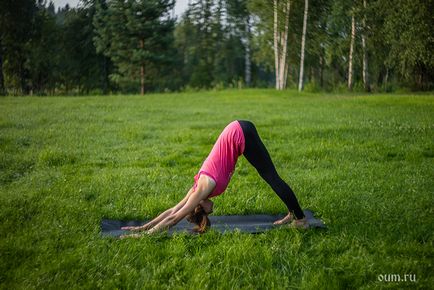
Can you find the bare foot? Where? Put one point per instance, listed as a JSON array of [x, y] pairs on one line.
[[287, 219]]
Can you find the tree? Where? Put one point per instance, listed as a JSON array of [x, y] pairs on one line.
[[16, 22], [365, 72], [2, 78], [203, 50], [408, 33], [303, 41], [239, 15], [318, 41], [281, 21], [45, 52], [350, 58], [211, 38], [82, 67], [248, 61], [134, 35]]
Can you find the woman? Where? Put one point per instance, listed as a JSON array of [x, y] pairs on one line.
[[239, 137]]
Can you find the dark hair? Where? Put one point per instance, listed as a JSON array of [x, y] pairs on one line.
[[199, 217]]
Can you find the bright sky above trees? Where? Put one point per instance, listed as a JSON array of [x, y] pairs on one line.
[[180, 5]]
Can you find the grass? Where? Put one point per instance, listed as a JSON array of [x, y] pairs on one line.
[[364, 163]]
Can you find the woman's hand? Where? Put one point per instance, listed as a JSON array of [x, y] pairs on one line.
[[151, 231], [287, 219]]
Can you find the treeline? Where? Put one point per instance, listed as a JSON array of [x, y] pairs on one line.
[[131, 46]]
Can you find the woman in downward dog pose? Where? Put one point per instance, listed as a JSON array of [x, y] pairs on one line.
[[238, 138]]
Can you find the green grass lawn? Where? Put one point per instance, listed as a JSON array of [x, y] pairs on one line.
[[363, 163]]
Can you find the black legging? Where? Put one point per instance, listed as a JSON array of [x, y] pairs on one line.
[[256, 153]]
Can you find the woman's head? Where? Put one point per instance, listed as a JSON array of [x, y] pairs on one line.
[[199, 216], [207, 205]]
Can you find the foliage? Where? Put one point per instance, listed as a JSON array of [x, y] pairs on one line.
[[408, 32], [135, 36], [124, 46], [16, 21]]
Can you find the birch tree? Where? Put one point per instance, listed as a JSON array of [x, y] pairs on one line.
[[281, 11], [303, 41], [350, 58], [247, 55], [365, 72]]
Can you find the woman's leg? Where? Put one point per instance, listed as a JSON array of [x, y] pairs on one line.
[[256, 153]]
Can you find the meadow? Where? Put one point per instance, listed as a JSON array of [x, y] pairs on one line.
[[363, 162]]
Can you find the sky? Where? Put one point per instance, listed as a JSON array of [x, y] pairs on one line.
[[180, 5]]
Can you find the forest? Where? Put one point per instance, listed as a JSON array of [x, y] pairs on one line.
[[140, 46]]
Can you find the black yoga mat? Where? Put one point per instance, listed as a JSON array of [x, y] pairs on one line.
[[245, 223]]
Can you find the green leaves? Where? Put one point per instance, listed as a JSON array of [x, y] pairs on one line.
[[135, 35]]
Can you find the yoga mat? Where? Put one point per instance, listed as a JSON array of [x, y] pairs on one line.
[[245, 223]]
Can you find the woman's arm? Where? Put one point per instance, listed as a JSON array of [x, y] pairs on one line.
[[189, 206], [180, 204], [161, 216], [205, 186], [151, 223]]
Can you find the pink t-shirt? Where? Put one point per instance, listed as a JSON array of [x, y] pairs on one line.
[[220, 163]]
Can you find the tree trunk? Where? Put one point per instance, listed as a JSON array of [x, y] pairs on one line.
[[2, 82], [142, 71], [23, 79], [312, 75], [286, 75], [386, 78], [303, 41], [248, 63], [284, 40], [365, 72], [350, 60], [321, 69], [105, 77], [142, 79], [281, 44], [276, 46]]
